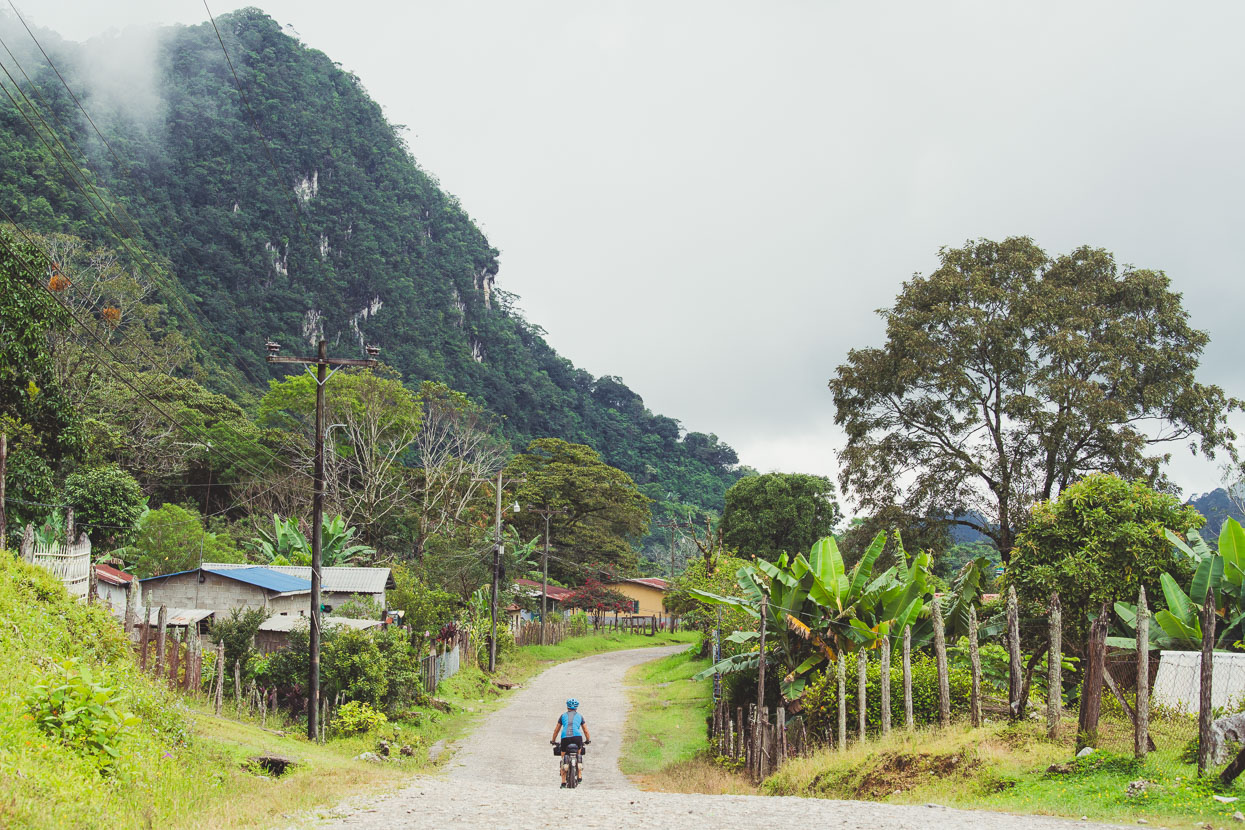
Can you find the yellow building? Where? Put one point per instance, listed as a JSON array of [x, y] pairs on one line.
[[647, 594]]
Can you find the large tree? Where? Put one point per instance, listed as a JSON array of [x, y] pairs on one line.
[[1008, 374], [604, 510], [372, 421], [769, 514]]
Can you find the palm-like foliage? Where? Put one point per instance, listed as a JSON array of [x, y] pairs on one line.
[[286, 544], [820, 609], [1221, 572]]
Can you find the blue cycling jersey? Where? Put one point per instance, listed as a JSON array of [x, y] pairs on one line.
[[571, 724]]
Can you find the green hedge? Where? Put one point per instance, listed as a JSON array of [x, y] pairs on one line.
[[821, 705]]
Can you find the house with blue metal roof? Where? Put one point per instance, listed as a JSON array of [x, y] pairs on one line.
[[223, 589]]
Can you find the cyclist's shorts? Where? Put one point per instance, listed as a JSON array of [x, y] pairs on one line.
[[571, 744]]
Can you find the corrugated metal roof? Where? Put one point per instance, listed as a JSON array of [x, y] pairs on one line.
[[267, 578], [650, 581], [288, 622], [180, 616], [554, 592], [109, 574], [339, 579]]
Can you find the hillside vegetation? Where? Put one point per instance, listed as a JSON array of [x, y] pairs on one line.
[[324, 227]]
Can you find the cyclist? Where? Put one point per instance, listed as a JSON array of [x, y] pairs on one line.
[[574, 736]]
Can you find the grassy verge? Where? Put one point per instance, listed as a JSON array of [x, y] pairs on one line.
[[666, 746], [1005, 767]]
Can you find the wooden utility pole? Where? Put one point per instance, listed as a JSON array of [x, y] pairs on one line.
[[322, 362], [500, 485], [546, 512]]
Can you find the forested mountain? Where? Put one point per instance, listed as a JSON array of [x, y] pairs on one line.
[[1218, 506], [325, 227]]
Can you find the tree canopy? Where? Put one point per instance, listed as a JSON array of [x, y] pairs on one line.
[[1098, 542], [770, 514], [605, 511], [1007, 374]]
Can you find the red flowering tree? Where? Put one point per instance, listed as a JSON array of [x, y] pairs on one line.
[[595, 597]]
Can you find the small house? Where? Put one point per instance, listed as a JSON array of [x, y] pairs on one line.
[[337, 584], [224, 589], [647, 594], [111, 587], [555, 596]]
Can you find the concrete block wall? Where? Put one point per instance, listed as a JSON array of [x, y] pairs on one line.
[[215, 592]]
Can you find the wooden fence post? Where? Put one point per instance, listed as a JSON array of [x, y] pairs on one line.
[[1054, 669], [780, 737], [1015, 665], [144, 638], [220, 675], [884, 684], [173, 663], [1091, 688], [741, 749], [841, 671], [1141, 725], [131, 609], [909, 719], [192, 640], [974, 658], [1204, 713], [862, 714], [237, 683], [160, 639], [940, 659]]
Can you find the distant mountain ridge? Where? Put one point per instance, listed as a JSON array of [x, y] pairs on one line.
[[1217, 506], [346, 239]]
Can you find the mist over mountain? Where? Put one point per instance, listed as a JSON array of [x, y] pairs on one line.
[[325, 227]]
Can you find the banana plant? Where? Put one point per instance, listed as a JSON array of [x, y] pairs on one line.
[[1221, 573], [287, 545], [821, 610]]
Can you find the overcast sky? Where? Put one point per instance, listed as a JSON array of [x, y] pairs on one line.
[[710, 199]]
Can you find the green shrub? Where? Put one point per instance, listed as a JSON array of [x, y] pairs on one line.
[[577, 624], [357, 718], [79, 708], [821, 705]]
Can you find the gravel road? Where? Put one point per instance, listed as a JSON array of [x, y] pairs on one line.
[[505, 776]]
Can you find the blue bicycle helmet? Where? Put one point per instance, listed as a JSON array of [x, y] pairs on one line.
[[572, 704]]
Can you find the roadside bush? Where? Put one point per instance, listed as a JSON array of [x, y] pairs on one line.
[[79, 708], [821, 705], [357, 718], [351, 663], [578, 624], [237, 631]]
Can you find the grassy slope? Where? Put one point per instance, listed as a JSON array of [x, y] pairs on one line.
[[182, 766], [1002, 767], [666, 747]]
